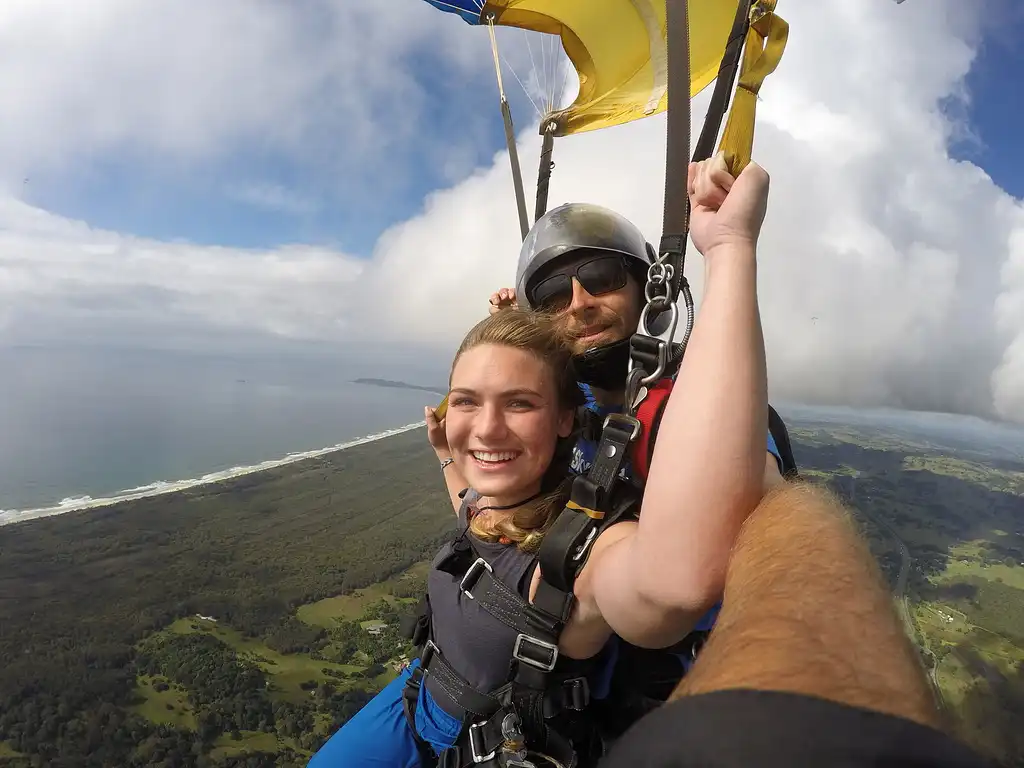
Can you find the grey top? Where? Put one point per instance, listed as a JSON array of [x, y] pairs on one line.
[[474, 643]]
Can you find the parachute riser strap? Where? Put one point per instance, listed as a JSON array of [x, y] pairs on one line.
[[510, 134], [676, 216], [544, 172], [649, 354]]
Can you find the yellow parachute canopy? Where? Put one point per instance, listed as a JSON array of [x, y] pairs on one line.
[[619, 50]]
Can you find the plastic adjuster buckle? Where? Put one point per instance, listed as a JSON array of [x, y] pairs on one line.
[[472, 574], [552, 650]]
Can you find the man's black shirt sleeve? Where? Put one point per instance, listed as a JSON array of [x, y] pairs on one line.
[[762, 729]]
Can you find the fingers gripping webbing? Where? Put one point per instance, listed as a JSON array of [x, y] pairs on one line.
[[762, 51]]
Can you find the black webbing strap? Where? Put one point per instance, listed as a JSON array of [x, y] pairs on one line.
[[676, 217], [564, 548], [509, 607], [469, 698], [723, 85]]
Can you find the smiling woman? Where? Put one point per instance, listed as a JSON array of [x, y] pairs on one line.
[[511, 409]]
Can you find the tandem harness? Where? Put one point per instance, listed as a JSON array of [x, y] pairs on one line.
[[536, 713]]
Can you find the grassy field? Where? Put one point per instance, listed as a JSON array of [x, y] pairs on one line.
[[816, 436], [6, 751], [971, 471], [170, 707], [324, 613], [287, 671], [251, 741], [966, 561]]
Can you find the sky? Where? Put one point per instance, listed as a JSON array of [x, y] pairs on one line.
[[329, 178]]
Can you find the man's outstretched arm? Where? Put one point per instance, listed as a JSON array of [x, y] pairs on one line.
[[807, 665], [806, 611]]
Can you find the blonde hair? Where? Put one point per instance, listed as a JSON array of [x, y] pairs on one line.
[[541, 336]]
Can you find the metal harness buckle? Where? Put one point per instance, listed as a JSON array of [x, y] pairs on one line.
[[517, 652], [625, 419], [472, 574], [476, 745]]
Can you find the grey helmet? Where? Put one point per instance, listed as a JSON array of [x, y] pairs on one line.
[[575, 226]]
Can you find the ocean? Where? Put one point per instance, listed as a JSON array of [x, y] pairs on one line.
[[80, 427], [82, 424]]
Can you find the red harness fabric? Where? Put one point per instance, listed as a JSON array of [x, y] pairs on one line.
[[648, 413]]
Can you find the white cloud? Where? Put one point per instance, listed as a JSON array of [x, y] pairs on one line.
[[273, 197], [63, 274], [177, 81], [891, 274]]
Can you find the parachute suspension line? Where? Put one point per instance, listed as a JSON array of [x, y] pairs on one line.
[[510, 135], [511, 69], [546, 166], [533, 61], [552, 81]]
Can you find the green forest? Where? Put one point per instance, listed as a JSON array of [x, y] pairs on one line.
[[241, 623], [91, 602]]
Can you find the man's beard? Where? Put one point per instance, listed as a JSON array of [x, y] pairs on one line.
[[574, 328]]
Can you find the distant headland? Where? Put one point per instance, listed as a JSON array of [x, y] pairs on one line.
[[399, 385]]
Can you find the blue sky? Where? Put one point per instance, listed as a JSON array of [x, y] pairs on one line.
[[996, 110]]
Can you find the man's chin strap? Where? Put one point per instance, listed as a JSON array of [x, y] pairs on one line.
[[604, 367]]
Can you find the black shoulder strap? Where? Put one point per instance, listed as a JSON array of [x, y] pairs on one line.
[[593, 504], [780, 434]]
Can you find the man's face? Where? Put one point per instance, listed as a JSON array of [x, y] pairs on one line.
[[595, 295]]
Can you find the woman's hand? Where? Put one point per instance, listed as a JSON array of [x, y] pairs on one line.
[[504, 298], [436, 435], [725, 211]]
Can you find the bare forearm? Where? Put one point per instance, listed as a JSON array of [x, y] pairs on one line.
[[708, 466], [806, 611]]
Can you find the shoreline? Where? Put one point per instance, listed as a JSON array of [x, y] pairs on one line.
[[1011, 445], [164, 487]]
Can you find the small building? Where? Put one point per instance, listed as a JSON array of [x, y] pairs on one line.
[[374, 627]]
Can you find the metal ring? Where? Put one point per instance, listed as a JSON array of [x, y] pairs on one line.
[[649, 292]]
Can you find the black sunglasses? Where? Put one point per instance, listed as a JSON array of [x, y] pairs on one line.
[[602, 274]]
